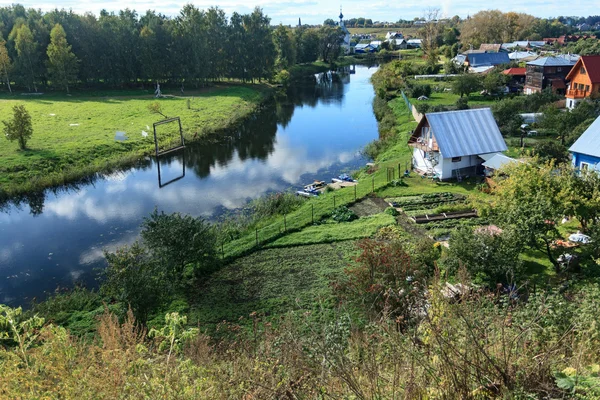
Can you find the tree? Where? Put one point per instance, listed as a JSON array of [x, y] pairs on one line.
[[330, 41], [176, 240], [329, 22], [466, 84], [5, 63], [134, 280], [532, 200], [489, 257], [551, 151], [19, 128], [156, 108], [62, 63], [493, 82], [27, 51], [431, 33], [285, 46]]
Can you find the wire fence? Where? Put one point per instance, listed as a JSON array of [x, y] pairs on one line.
[[313, 211], [406, 100]]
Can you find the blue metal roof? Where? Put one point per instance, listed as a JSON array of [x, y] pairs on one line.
[[466, 132], [488, 59], [589, 142], [498, 161], [559, 61]]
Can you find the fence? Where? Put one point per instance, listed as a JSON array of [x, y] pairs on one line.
[[309, 213], [416, 114]]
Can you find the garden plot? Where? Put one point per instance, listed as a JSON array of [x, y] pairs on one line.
[[437, 203]]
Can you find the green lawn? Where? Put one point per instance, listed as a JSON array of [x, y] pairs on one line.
[[271, 282], [335, 232], [75, 135]]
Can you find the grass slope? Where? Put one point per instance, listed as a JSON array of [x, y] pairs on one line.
[[335, 232], [75, 135], [272, 281]]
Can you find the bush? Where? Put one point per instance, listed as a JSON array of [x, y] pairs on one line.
[[489, 258], [462, 103], [343, 214], [392, 211], [419, 90], [275, 204], [551, 151]]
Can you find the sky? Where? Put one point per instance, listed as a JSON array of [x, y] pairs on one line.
[[316, 11]]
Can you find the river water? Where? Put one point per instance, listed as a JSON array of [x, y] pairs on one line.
[[57, 239]]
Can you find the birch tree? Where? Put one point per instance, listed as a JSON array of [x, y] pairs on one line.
[[62, 63], [5, 63]]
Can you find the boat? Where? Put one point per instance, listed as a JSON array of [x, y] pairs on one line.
[[316, 185], [307, 193], [344, 178]]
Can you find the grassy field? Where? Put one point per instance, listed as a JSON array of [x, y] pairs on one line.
[[272, 282], [335, 232], [75, 135]]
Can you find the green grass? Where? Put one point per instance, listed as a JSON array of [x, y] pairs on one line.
[[272, 282], [74, 135], [335, 232]]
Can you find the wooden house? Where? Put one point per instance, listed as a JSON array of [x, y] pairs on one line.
[[584, 80], [454, 144], [548, 72]]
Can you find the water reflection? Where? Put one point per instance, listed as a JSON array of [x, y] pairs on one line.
[[162, 184], [58, 237]]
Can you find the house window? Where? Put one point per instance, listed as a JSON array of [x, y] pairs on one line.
[[584, 166], [456, 159], [587, 88], [582, 71], [559, 69]]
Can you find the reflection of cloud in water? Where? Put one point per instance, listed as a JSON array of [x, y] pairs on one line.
[[8, 252], [77, 204], [96, 253]]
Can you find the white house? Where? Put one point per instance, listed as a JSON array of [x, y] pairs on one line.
[[454, 144]]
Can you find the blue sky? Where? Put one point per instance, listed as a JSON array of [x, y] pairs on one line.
[[316, 11]]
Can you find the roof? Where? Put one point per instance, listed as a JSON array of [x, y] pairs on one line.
[[465, 132], [482, 59], [498, 161], [554, 61], [592, 66], [363, 46], [589, 142], [490, 47], [460, 59], [481, 70], [515, 71], [519, 55]]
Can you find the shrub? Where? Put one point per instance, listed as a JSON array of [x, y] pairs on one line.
[[419, 90], [392, 211], [462, 103], [343, 214]]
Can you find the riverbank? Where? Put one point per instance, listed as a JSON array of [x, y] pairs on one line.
[[74, 135]]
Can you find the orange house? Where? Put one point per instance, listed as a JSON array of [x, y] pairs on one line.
[[584, 80]]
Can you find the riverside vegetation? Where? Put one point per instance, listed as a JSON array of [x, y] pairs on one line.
[[351, 305]]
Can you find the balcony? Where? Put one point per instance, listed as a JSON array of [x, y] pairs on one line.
[[577, 94], [423, 146]]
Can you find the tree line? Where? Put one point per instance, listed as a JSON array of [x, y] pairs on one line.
[[61, 48]]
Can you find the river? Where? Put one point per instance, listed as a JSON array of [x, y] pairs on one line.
[[56, 239]]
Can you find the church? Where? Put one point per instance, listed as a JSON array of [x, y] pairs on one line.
[[346, 43]]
